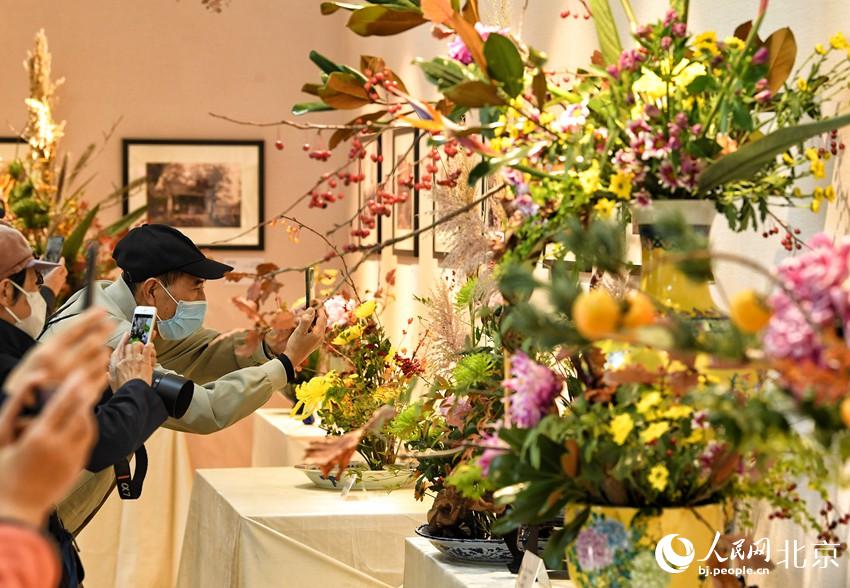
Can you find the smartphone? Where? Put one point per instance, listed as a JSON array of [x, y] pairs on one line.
[[144, 319], [308, 285], [53, 253], [91, 275]]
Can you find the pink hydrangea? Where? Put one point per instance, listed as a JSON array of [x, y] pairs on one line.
[[338, 309], [818, 278], [458, 49], [534, 387]]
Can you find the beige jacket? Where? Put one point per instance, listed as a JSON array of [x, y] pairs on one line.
[[227, 387]]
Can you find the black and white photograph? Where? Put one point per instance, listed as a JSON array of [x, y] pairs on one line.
[[211, 190]]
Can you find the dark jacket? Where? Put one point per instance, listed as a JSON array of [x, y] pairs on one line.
[[125, 420]]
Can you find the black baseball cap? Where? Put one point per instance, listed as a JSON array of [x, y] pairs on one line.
[[153, 250]]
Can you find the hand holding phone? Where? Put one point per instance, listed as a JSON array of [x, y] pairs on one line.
[[53, 252], [144, 319], [91, 275]]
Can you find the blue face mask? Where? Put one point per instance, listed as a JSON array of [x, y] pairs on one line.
[[188, 319]]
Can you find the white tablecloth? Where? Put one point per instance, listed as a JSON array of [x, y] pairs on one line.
[[280, 440], [426, 567], [258, 527]]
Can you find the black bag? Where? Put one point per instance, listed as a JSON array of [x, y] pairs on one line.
[[72, 568]]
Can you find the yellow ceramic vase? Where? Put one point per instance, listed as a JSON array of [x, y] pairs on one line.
[[618, 547], [660, 278]]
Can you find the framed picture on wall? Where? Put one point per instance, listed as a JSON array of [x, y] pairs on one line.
[[11, 148], [405, 176], [211, 190], [371, 167]]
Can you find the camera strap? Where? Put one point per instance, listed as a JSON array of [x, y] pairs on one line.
[[130, 488]]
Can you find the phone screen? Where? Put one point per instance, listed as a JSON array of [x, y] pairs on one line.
[[140, 329], [54, 249]]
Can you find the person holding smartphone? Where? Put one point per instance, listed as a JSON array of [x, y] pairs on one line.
[[125, 418], [162, 268]]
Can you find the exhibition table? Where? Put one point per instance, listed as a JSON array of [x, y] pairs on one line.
[[251, 527], [279, 439], [426, 567]]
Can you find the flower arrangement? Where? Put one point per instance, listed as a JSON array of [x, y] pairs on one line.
[[371, 375], [42, 198]]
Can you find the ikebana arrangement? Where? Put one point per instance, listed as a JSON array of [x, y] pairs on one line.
[[626, 411], [43, 192]]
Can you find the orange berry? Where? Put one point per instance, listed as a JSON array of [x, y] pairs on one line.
[[596, 314], [641, 310], [845, 412], [749, 312]]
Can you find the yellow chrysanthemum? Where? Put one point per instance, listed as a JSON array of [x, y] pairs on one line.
[[811, 154], [679, 411], [328, 277], [815, 205], [648, 402], [696, 436], [786, 157], [366, 309], [734, 43], [311, 394], [654, 431], [650, 86], [686, 72], [820, 49], [604, 208], [658, 477], [707, 42], [621, 185], [589, 178], [838, 41], [829, 193], [348, 335], [802, 84], [620, 428]]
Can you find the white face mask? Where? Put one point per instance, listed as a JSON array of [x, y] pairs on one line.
[[34, 323]]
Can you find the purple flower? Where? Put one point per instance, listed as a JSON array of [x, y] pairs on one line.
[[818, 279], [642, 199], [764, 96], [526, 206], [666, 42], [680, 29], [671, 17], [534, 387], [761, 56], [458, 49], [667, 175], [630, 60], [494, 448], [592, 550]]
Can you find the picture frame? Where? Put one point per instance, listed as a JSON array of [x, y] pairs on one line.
[[11, 148], [211, 190], [405, 217], [371, 168], [441, 245]]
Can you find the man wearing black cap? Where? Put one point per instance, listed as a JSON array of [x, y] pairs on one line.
[[163, 268]]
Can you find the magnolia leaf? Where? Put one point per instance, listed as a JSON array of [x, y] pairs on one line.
[[743, 32], [474, 94], [341, 135], [470, 12], [504, 63], [606, 31], [442, 72], [539, 87], [437, 11], [744, 163], [312, 89], [306, 107], [331, 7], [323, 63], [783, 54], [372, 64], [266, 268], [344, 91], [384, 21]]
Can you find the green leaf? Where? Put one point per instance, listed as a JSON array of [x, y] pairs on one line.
[[751, 158], [504, 63], [741, 115], [324, 64], [331, 7], [305, 107], [701, 84], [474, 94], [384, 21], [442, 72], [74, 241], [473, 369], [125, 222], [606, 30], [487, 167]]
